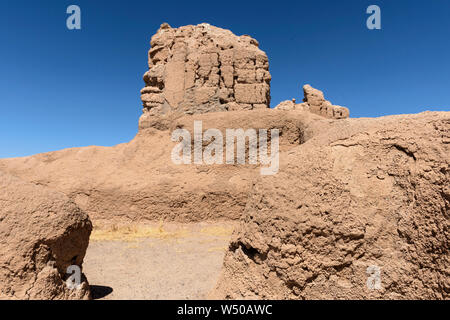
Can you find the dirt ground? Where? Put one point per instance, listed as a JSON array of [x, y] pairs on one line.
[[170, 261]]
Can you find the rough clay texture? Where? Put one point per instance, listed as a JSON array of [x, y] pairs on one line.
[[367, 192], [350, 194], [138, 181], [42, 232], [315, 102], [200, 69]]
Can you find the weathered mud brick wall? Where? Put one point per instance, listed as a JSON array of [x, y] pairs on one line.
[[200, 69]]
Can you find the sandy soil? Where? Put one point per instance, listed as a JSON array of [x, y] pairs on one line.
[[154, 262]]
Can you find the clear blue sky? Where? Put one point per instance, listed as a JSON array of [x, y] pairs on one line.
[[61, 88]]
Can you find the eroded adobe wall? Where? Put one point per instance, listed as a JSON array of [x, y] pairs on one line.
[[201, 69]]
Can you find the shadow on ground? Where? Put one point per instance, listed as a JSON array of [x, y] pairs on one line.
[[99, 292]]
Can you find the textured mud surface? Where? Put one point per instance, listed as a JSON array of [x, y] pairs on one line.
[[42, 233]]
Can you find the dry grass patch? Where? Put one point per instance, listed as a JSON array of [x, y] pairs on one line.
[[135, 232]]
